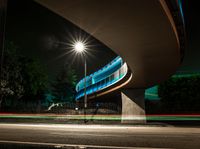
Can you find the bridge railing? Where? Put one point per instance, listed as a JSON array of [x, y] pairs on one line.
[[108, 79]]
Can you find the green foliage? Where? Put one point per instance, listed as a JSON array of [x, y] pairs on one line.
[[63, 88], [11, 78], [21, 76], [181, 94], [34, 77]]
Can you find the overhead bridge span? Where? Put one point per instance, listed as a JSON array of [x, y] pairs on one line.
[[147, 34]]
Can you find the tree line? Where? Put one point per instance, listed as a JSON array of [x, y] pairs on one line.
[[181, 94], [25, 79]]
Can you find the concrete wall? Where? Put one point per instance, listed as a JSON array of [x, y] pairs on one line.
[[133, 107]]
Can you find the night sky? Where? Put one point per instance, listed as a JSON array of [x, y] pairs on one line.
[[41, 34]]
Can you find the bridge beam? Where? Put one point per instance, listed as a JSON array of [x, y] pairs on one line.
[[133, 107]]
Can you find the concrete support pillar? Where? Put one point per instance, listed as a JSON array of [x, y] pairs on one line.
[[133, 107]]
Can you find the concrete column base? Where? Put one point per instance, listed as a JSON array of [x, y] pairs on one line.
[[133, 107]]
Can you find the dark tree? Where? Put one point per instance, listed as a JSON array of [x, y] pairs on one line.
[[63, 88], [34, 77], [181, 94], [22, 77], [11, 78]]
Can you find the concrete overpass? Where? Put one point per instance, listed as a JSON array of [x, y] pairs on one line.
[[147, 34]]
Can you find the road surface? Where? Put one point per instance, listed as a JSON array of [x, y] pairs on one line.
[[100, 136]]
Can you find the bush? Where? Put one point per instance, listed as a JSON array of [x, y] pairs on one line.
[[181, 94]]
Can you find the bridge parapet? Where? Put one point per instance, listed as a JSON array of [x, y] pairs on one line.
[[103, 78]]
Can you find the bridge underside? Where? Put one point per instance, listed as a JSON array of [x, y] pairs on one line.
[[142, 32], [139, 31]]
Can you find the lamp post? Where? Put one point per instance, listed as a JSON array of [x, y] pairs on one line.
[[79, 47]]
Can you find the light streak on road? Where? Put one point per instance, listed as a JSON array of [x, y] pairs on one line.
[[155, 117]]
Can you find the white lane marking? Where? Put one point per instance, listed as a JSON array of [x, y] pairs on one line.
[[75, 145]]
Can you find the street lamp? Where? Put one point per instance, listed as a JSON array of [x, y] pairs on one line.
[[80, 47]]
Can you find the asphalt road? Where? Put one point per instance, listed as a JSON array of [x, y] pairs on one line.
[[100, 136]]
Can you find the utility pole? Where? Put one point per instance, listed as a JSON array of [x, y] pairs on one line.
[[85, 89], [3, 14]]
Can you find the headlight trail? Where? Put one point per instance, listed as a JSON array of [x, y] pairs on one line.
[[153, 117]]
